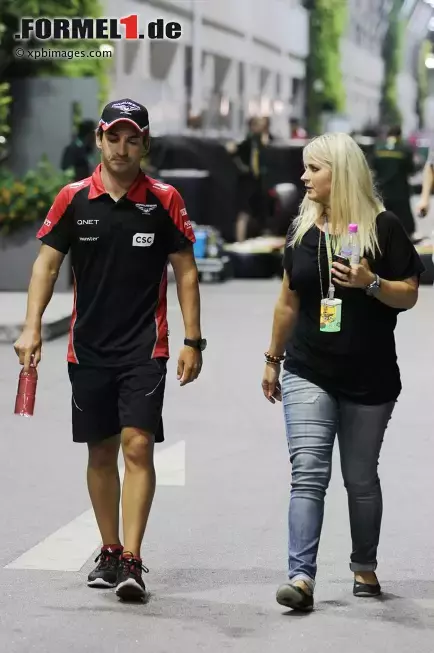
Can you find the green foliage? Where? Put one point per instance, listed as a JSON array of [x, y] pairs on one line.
[[10, 13], [392, 55], [28, 200], [5, 100], [327, 24]]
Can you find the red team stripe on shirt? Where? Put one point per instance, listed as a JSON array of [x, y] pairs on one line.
[[54, 215], [72, 356], [162, 343], [174, 205], [60, 204]]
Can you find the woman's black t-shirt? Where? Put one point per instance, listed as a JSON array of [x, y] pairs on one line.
[[359, 362]]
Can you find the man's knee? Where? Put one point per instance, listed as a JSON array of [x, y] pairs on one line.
[[104, 454], [138, 448]]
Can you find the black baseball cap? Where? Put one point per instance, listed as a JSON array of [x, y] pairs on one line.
[[125, 110]]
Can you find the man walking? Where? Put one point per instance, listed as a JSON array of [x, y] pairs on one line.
[[393, 163], [78, 155], [122, 228], [427, 185]]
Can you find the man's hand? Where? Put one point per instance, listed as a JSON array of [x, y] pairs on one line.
[[189, 365], [357, 276], [28, 348]]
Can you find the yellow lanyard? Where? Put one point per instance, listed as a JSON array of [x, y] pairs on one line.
[[255, 160], [331, 290]]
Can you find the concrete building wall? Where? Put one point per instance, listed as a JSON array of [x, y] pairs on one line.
[[419, 14], [363, 75], [234, 59], [363, 66], [362, 63], [42, 117]]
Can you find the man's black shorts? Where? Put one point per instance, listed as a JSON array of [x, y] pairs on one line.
[[105, 400]]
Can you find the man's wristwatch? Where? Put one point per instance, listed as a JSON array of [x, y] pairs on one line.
[[373, 287], [196, 344]]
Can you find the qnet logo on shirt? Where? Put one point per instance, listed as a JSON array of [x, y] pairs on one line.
[[143, 240]]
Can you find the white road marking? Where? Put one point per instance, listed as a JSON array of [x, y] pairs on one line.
[[65, 550], [69, 548]]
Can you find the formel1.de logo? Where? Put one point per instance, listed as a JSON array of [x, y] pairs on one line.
[[127, 27]]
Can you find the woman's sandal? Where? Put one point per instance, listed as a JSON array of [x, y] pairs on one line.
[[366, 590], [294, 597]]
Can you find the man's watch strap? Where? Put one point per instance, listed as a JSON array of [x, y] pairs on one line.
[[196, 344]]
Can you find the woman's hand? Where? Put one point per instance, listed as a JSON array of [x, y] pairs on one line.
[[270, 383], [357, 276]]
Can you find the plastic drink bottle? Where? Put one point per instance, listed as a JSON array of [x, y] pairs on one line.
[[26, 393], [351, 245]]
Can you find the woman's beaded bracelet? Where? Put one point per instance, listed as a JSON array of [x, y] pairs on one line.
[[275, 360]]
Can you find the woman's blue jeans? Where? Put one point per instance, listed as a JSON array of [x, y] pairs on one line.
[[313, 418]]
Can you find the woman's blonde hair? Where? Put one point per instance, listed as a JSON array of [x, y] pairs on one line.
[[353, 198]]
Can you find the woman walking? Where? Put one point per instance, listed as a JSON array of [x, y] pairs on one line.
[[341, 375]]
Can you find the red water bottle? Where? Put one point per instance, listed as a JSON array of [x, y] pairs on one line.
[[26, 394]]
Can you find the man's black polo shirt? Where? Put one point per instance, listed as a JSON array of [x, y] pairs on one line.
[[119, 255]]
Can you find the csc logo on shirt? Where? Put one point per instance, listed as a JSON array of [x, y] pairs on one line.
[[143, 240]]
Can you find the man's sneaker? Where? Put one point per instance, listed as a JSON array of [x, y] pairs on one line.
[[106, 572], [130, 585]]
